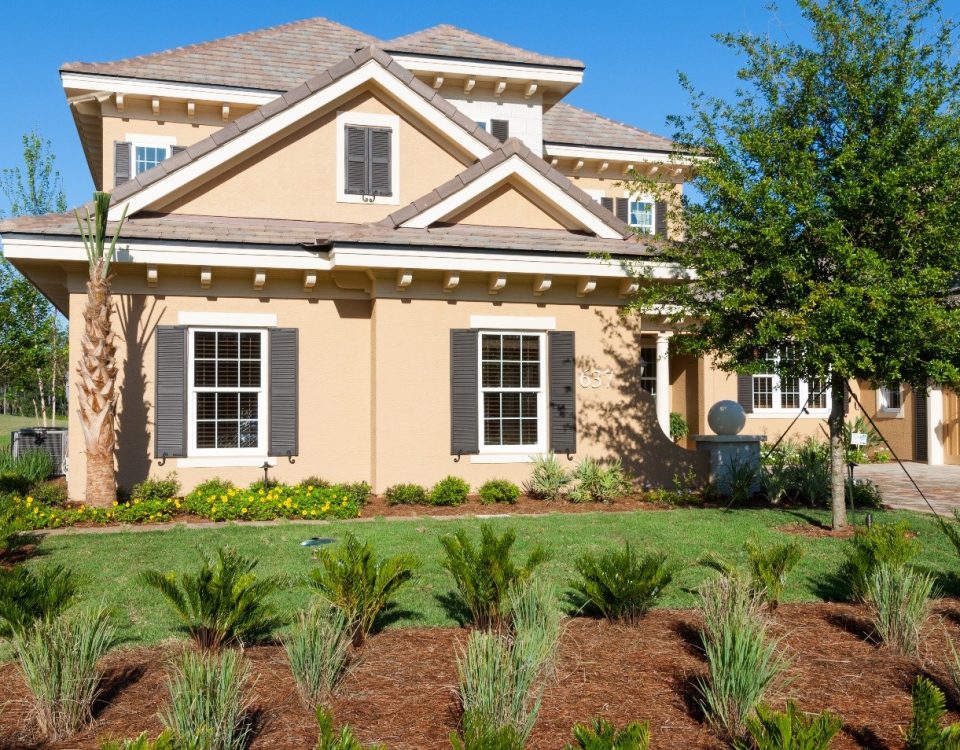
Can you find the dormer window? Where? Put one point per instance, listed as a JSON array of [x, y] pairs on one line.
[[641, 216], [140, 152], [147, 157], [368, 158]]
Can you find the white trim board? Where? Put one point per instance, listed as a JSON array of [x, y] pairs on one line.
[[156, 88], [231, 320], [514, 322]]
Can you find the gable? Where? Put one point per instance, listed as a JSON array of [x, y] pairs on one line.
[[511, 205], [296, 176]]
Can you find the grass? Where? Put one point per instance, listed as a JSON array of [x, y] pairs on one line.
[[10, 422], [108, 564]]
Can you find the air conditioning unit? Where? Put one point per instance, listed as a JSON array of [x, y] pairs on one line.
[[49, 440]]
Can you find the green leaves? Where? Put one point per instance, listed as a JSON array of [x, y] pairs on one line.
[[93, 232], [620, 584], [791, 729], [602, 735], [31, 595]]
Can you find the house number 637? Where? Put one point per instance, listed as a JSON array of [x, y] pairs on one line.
[[596, 378]]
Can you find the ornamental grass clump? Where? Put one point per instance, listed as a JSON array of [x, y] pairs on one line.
[[594, 482], [223, 603], [621, 584], [318, 650], [58, 658], [166, 740], [791, 729], [870, 547], [743, 662], [353, 579], [899, 602], [209, 700], [486, 574], [30, 595], [603, 735], [929, 708], [769, 567], [549, 480]]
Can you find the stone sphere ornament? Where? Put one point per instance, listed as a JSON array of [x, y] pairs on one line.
[[726, 417]]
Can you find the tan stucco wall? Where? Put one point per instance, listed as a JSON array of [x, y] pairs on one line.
[[507, 206], [897, 428], [295, 177]]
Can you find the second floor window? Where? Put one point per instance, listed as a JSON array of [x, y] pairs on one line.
[[891, 398], [772, 392], [147, 157], [367, 156], [641, 216]]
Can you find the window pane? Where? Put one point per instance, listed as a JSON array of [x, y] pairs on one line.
[[511, 375], [206, 406], [227, 406], [250, 346], [491, 405], [648, 374], [818, 394], [531, 374], [227, 345], [790, 393], [491, 347], [529, 431], [511, 348], [762, 392], [528, 405], [491, 432], [250, 374], [531, 348], [511, 432], [206, 435], [204, 344], [510, 404], [491, 374], [227, 373], [248, 434], [204, 373], [227, 435], [249, 405]]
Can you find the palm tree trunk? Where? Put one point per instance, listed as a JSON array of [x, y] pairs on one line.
[[97, 390]]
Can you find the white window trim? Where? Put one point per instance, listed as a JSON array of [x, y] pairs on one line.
[[882, 408], [166, 142], [369, 120], [500, 323], [778, 410], [642, 198], [227, 320], [503, 452], [262, 415]]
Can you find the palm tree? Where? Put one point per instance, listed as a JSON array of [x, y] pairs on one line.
[[98, 356]]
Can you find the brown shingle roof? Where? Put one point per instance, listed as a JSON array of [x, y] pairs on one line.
[[445, 40], [569, 125], [512, 147], [274, 59]]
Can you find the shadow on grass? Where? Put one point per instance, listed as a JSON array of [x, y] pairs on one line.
[[946, 584], [392, 614], [455, 607]]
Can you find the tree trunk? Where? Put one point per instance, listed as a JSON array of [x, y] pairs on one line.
[[838, 462], [96, 391]]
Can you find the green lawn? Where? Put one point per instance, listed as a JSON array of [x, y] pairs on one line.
[[10, 422], [109, 563]]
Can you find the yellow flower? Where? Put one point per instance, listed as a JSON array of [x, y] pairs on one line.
[[213, 509], [29, 499], [177, 503], [243, 510], [223, 498], [36, 510]]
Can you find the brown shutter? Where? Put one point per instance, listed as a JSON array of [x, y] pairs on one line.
[[121, 162], [464, 391], [623, 210], [355, 156], [562, 394], [170, 402], [283, 393], [745, 392], [174, 150], [920, 446], [607, 203], [379, 156], [660, 228], [500, 129]]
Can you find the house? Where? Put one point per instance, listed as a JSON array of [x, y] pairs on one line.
[[380, 260]]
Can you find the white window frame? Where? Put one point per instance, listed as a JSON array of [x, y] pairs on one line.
[[777, 409], [369, 120], [166, 142], [883, 407], [653, 213], [518, 451], [192, 390]]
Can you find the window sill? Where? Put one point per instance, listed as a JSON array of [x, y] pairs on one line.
[[502, 458], [223, 461], [788, 414], [890, 414]]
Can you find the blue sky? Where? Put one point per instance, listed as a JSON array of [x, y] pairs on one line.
[[633, 52]]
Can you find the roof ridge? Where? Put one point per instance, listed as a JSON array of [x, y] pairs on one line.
[[611, 120], [219, 40]]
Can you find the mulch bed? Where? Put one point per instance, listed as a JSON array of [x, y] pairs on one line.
[[378, 507], [402, 690]]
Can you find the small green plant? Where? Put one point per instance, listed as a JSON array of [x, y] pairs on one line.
[[58, 659], [152, 490], [769, 567], [952, 530], [352, 578], [213, 488], [858, 454], [743, 662], [866, 495], [406, 494], [49, 493], [166, 740], [899, 602], [679, 428], [499, 491], [223, 603], [621, 584], [889, 543], [879, 456], [450, 490], [209, 699], [485, 575], [318, 648], [603, 735], [477, 735], [25, 470], [792, 729], [12, 526], [316, 482], [929, 708], [29, 595], [331, 740], [549, 480], [741, 480], [595, 483]]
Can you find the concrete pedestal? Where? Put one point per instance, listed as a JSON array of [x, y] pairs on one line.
[[730, 450]]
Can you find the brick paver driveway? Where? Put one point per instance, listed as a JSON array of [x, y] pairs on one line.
[[941, 485]]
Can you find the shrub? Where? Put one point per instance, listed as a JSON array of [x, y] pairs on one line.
[[223, 603], [316, 482], [215, 486], [809, 475], [596, 483], [499, 491], [304, 501], [29, 595], [549, 480], [620, 584], [12, 525], [50, 493], [769, 568], [899, 601], [164, 741], [31, 468], [156, 489], [602, 735], [866, 495], [353, 579], [742, 662], [58, 658], [329, 740], [209, 699], [406, 494], [679, 428], [929, 708], [792, 729], [449, 491], [317, 649], [485, 575], [870, 547], [477, 735]]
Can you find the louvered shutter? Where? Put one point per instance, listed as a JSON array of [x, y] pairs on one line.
[[170, 403], [355, 170], [121, 162], [379, 151], [607, 203], [283, 408], [500, 129], [920, 447], [562, 395], [660, 208], [174, 150], [623, 209], [464, 392], [745, 392]]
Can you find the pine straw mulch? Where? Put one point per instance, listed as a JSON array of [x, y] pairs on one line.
[[401, 691], [377, 506]]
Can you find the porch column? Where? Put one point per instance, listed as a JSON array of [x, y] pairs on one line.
[[935, 427], [663, 381]]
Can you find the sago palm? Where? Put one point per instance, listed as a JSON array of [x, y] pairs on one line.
[[97, 367]]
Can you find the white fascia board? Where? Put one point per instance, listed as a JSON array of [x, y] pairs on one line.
[[489, 70], [369, 71], [616, 155], [514, 166], [167, 89]]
